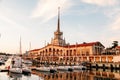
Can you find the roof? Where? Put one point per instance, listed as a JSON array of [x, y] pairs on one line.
[[83, 44], [72, 46], [35, 50], [118, 47]]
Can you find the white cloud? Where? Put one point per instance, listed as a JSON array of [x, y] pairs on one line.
[[115, 26], [113, 15], [47, 9], [102, 2]]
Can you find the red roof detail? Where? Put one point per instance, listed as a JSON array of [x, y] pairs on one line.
[[82, 45], [35, 50], [118, 47]]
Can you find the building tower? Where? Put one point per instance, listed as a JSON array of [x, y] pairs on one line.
[[58, 35]]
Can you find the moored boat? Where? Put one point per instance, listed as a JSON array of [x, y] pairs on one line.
[[62, 68], [43, 69], [79, 67], [25, 69], [16, 70]]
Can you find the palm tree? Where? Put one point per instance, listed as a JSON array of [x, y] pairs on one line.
[[115, 44]]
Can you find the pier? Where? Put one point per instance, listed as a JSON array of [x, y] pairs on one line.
[[104, 66]]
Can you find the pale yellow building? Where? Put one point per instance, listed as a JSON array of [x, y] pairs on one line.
[[58, 51]]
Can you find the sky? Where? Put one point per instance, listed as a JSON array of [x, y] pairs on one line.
[[35, 21]]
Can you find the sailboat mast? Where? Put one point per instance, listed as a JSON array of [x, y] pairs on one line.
[[20, 47], [21, 51], [29, 46]]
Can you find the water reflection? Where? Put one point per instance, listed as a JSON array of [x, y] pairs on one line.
[[80, 75], [76, 75], [14, 76]]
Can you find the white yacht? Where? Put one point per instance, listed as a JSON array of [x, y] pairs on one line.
[[53, 69], [62, 68], [15, 70], [2, 61], [25, 69], [27, 62], [6, 66], [43, 69], [79, 67], [16, 65]]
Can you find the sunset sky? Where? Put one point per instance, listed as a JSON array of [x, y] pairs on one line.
[[36, 20]]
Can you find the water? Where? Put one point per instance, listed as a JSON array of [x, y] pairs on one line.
[[75, 75]]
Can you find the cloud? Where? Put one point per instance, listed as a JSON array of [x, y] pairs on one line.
[[112, 12], [102, 2], [47, 9], [115, 26], [113, 15]]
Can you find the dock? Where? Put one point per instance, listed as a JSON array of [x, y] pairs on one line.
[[104, 66]]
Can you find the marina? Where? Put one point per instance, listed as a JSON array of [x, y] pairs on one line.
[[63, 73], [89, 49]]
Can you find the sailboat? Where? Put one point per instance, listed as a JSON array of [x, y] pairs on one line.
[[25, 69], [7, 65], [16, 66], [26, 61]]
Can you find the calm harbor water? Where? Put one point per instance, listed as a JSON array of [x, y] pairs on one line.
[[75, 75]]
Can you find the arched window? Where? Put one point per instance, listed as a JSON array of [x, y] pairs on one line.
[[67, 52], [74, 52]]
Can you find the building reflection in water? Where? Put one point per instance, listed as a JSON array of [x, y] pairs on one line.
[[79, 75], [15, 76]]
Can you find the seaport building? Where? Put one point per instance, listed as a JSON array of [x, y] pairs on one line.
[[60, 52]]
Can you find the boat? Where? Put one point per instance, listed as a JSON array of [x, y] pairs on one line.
[[27, 62], [53, 69], [62, 68], [2, 61], [46, 69], [6, 66], [14, 75], [65, 68], [25, 69], [16, 70], [79, 67], [16, 65], [43, 69]]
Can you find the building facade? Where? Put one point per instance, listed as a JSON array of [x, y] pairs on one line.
[[58, 51]]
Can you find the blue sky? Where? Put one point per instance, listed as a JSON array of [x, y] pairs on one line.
[[36, 20]]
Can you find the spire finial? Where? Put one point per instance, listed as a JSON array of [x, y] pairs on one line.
[[58, 26]]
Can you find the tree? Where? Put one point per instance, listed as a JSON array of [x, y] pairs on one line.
[[115, 44]]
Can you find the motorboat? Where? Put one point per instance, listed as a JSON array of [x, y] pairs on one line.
[[15, 70], [6, 66], [26, 70], [43, 69], [62, 68], [16, 66], [2, 61], [53, 69], [14, 75], [79, 67], [27, 62]]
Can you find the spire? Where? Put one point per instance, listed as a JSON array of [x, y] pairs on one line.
[[58, 25]]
